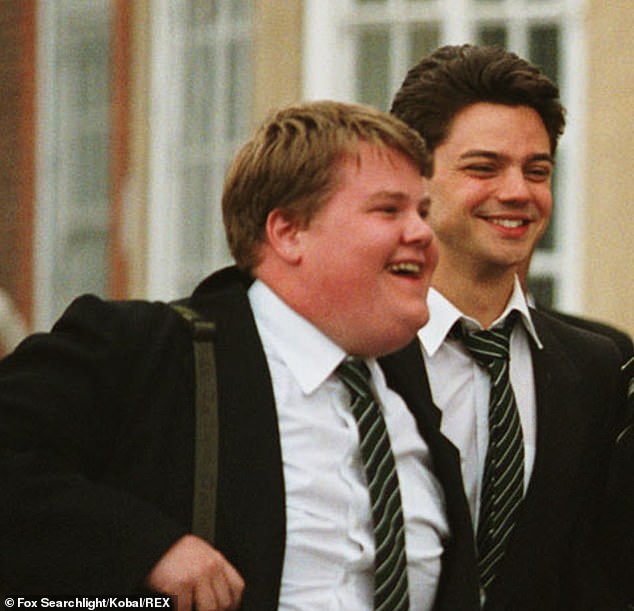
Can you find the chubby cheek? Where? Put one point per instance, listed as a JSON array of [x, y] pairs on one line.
[[343, 288]]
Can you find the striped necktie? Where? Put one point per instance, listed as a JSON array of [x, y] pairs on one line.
[[503, 479], [390, 562]]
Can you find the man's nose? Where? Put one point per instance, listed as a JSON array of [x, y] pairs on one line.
[[417, 229], [514, 186]]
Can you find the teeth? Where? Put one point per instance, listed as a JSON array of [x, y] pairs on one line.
[[509, 223], [406, 268]]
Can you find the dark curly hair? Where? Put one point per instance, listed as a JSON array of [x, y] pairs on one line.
[[454, 77]]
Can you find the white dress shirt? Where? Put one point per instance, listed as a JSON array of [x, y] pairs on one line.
[[460, 387], [328, 563]]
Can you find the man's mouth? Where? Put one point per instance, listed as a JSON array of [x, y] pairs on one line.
[[509, 223], [406, 268]]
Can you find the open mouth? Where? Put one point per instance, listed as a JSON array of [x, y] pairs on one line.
[[408, 268], [509, 223]]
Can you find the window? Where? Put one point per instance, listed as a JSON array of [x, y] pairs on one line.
[[200, 113], [360, 50], [73, 153]]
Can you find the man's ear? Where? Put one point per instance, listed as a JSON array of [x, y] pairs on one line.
[[283, 235]]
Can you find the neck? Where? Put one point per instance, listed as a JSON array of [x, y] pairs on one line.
[[482, 297]]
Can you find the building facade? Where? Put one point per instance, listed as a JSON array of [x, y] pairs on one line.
[[119, 118]]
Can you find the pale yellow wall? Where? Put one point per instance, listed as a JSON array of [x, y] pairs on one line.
[[609, 253], [277, 55]]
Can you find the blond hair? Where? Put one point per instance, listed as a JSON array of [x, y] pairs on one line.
[[291, 164]]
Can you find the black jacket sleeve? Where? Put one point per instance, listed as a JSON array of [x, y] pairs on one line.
[[87, 434]]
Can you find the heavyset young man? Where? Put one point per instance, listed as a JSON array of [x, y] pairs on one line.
[[325, 214]]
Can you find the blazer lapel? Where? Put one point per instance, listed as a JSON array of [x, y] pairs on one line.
[[458, 588]]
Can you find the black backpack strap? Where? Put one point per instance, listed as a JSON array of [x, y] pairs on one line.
[[206, 436]]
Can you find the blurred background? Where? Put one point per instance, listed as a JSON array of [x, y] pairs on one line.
[[118, 119]]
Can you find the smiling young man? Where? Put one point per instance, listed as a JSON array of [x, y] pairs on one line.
[[325, 212], [492, 190], [529, 404]]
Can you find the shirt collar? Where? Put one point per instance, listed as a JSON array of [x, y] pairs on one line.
[[310, 356], [443, 315]]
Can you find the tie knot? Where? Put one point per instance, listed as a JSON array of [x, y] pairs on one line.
[[489, 348], [354, 373]]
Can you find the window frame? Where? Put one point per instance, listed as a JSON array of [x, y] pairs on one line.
[[57, 124], [170, 274]]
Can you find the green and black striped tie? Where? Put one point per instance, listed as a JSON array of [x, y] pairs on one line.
[[503, 479], [390, 562]]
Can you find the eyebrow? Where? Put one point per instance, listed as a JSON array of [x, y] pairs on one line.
[[398, 196], [493, 155], [385, 194]]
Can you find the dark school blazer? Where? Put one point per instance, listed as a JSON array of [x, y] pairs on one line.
[[96, 453], [615, 533], [619, 337], [549, 564]]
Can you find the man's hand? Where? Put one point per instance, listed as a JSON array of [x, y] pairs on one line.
[[199, 575]]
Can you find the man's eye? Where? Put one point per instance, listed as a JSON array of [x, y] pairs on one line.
[[539, 174], [480, 168]]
